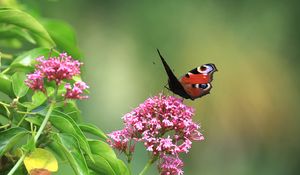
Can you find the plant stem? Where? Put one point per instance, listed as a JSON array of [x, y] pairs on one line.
[[24, 112], [22, 119], [147, 166], [20, 161], [129, 168], [38, 134], [52, 105], [6, 56], [4, 104], [5, 126]]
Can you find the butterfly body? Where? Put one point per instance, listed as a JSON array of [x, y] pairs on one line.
[[195, 84]]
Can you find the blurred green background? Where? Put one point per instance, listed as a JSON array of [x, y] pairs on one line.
[[251, 119]]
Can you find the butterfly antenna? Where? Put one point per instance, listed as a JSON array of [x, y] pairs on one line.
[[50, 52], [171, 75], [165, 86]]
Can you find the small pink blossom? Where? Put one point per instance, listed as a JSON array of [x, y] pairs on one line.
[[170, 165], [119, 139], [76, 91], [35, 81]]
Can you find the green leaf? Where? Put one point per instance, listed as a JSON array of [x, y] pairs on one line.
[[68, 42], [10, 137], [69, 145], [37, 120], [12, 43], [101, 166], [103, 150], [93, 172], [92, 129], [18, 83], [27, 60], [56, 148], [66, 124], [5, 85], [123, 168], [41, 159], [30, 145], [8, 32], [24, 20], [99, 147], [37, 100], [10, 3], [72, 110]]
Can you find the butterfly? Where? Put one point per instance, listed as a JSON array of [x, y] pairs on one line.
[[195, 84]]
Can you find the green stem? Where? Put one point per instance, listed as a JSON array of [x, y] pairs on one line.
[[22, 119], [147, 166], [129, 168], [5, 70], [4, 104], [24, 116], [5, 126], [20, 161], [38, 134], [6, 56]]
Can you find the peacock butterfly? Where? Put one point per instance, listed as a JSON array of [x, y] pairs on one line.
[[195, 84]]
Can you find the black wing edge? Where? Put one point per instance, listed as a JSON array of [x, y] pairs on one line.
[[174, 85]]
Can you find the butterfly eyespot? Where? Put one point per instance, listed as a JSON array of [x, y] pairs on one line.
[[203, 86], [203, 68]]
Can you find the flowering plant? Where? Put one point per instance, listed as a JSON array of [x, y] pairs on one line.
[[41, 125]]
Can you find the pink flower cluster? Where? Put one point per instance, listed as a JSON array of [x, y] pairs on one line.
[[170, 165], [76, 91], [164, 125], [57, 69], [35, 81]]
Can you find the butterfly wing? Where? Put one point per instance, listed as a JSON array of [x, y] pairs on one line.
[[197, 82], [195, 79], [174, 84]]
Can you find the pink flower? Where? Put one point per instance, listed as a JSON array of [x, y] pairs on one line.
[[58, 68], [119, 139], [164, 125], [76, 91], [170, 165], [35, 81]]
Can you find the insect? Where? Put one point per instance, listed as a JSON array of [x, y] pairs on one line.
[[195, 84]]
